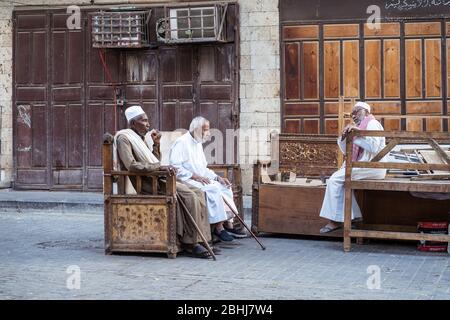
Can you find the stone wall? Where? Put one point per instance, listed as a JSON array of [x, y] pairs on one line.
[[259, 79]]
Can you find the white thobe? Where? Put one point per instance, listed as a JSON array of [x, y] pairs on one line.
[[333, 202], [187, 156]]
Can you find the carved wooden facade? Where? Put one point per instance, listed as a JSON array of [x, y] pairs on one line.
[[329, 50], [308, 155]]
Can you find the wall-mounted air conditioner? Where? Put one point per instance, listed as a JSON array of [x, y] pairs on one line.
[[120, 29], [193, 24]]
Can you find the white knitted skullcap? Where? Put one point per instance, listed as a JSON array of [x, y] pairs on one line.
[[133, 112], [362, 105]]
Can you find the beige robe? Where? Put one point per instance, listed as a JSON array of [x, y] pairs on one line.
[[193, 198]]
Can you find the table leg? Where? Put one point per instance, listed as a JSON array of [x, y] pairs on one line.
[[347, 219]]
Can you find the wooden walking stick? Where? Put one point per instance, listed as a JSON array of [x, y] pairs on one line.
[[243, 223], [197, 228]]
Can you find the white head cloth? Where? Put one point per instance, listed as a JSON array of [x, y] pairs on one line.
[[362, 105], [133, 112]]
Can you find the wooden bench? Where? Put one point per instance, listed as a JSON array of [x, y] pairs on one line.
[[291, 209], [287, 208], [146, 223], [438, 209]]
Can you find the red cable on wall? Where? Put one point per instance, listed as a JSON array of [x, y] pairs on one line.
[[108, 75]]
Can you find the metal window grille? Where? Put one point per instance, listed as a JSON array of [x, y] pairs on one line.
[[120, 29], [192, 24]]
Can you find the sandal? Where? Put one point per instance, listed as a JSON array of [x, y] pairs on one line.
[[328, 229], [198, 251]]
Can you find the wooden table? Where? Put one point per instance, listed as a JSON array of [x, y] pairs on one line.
[[394, 184]]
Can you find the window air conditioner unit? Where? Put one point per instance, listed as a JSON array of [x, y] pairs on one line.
[[120, 29], [193, 24]]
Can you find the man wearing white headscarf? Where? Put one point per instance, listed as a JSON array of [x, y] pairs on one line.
[[136, 152], [364, 149], [187, 156]]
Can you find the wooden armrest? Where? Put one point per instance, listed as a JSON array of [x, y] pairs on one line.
[[223, 166], [153, 174]]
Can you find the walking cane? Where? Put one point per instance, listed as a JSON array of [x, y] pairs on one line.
[[243, 223], [197, 228]]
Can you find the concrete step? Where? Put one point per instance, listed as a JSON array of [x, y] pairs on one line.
[[62, 201]]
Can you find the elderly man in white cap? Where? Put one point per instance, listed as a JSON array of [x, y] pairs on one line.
[[364, 149], [188, 157], [137, 154]]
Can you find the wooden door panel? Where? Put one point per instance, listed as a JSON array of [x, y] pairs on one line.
[[422, 29], [30, 115], [75, 145], [332, 69], [185, 112], [385, 30], [168, 64], [39, 57], [311, 126], [310, 63], [59, 136], [433, 67], [300, 32], [22, 57], [67, 127], [448, 66], [414, 124], [373, 68], [168, 114], [186, 63], [23, 135], [413, 68], [424, 107], [351, 68], [391, 124], [225, 63], [400, 72], [292, 71], [434, 125], [206, 64], [391, 68], [39, 136], [341, 31], [292, 126]]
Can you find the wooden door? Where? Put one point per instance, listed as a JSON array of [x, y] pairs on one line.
[[30, 106], [65, 94], [400, 70], [66, 139]]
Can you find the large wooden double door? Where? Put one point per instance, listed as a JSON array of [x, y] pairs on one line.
[[65, 96]]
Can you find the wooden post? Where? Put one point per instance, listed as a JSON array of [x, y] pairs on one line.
[[107, 168], [171, 187], [341, 127], [348, 193], [107, 187], [255, 195], [138, 184]]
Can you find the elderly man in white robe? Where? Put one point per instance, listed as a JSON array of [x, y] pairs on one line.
[[364, 149], [188, 157]]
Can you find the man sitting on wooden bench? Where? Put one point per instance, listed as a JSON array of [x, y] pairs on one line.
[[188, 157], [365, 148], [135, 155]]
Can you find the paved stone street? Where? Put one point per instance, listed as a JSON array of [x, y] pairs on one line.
[[39, 246]]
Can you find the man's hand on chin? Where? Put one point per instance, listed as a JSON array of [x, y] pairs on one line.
[[156, 136]]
